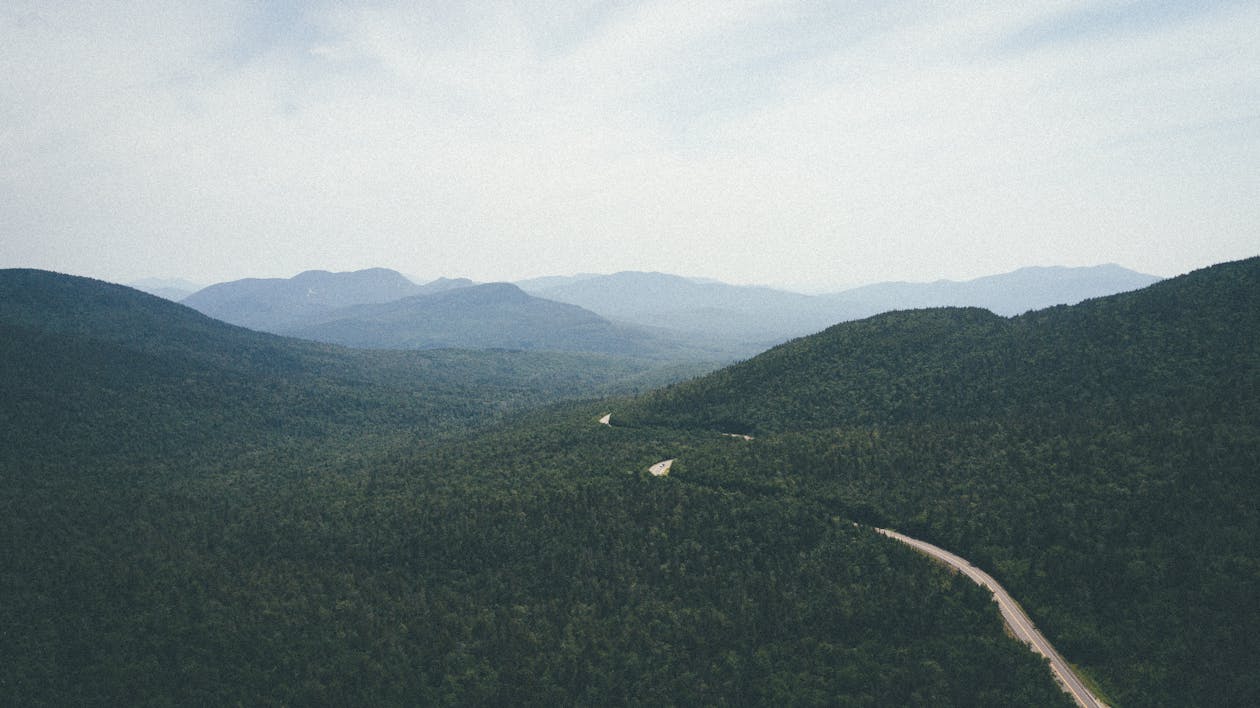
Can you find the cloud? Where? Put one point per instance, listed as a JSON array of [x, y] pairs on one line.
[[758, 141]]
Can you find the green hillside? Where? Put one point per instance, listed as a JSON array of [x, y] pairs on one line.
[[91, 368], [1101, 460], [198, 514], [1186, 343]]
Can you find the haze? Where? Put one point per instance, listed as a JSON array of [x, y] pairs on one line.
[[792, 143]]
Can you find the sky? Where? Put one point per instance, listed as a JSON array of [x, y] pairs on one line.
[[804, 144]]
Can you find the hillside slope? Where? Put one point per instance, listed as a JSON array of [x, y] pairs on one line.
[[194, 513], [1100, 460], [1186, 340], [93, 368], [1006, 294]]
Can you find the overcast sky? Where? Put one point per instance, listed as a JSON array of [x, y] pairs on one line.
[[808, 144]]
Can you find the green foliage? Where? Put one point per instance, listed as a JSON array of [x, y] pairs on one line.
[[1183, 344], [1099, 460], [536, 564], [194, 513]]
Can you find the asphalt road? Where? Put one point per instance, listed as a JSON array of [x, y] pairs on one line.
[[1020, 625], [1015, 618]]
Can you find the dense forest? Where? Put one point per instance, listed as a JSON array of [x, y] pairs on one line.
[[196, 513], [1100, 460]]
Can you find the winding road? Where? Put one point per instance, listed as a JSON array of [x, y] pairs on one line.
[[1014, 615]]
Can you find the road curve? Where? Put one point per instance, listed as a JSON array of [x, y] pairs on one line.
[[1015, 618], [1012, 613]]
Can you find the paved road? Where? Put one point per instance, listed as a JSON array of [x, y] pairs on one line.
[[1014, 616]]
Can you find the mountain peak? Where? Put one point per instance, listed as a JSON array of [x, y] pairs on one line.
[[275, 303]]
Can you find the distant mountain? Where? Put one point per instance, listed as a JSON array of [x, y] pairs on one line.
[[687, 316], [271, 304], [535, 285], [174, 289], [745, 317], [1008, 294], [952, 363], [738, 315], [93, 368], [443, 284], [381, 309], [494, 315]]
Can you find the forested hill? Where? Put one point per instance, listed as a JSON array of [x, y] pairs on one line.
[[196, 514], [91, 368], [1101, 460], [1191, 341]]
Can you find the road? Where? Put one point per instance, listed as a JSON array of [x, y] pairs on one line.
[[1015, 618], [1020, 625]]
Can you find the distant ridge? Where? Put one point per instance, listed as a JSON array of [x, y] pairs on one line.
[[95, 368], [951, 363], [701, 317], [751, 317], [493, 315], [174, 289], [381, 309], [1013, 293], [269, 304]]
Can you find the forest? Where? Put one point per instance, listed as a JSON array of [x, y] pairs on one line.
[[196, 513], [1100, 460]]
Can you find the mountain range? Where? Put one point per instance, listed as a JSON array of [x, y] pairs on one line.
[[629, 313], [489, 316], [198, 513], [273, 304], [756, 317], [85, 363], [167, 288]]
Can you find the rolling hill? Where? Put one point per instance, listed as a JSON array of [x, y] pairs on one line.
[[198, 513], [381, 309], [494, 315], [1171, 342], [99, 368], [1099, 459]]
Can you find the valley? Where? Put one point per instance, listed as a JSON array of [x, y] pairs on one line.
[[197, 512], [644, 353], [639, 315]]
